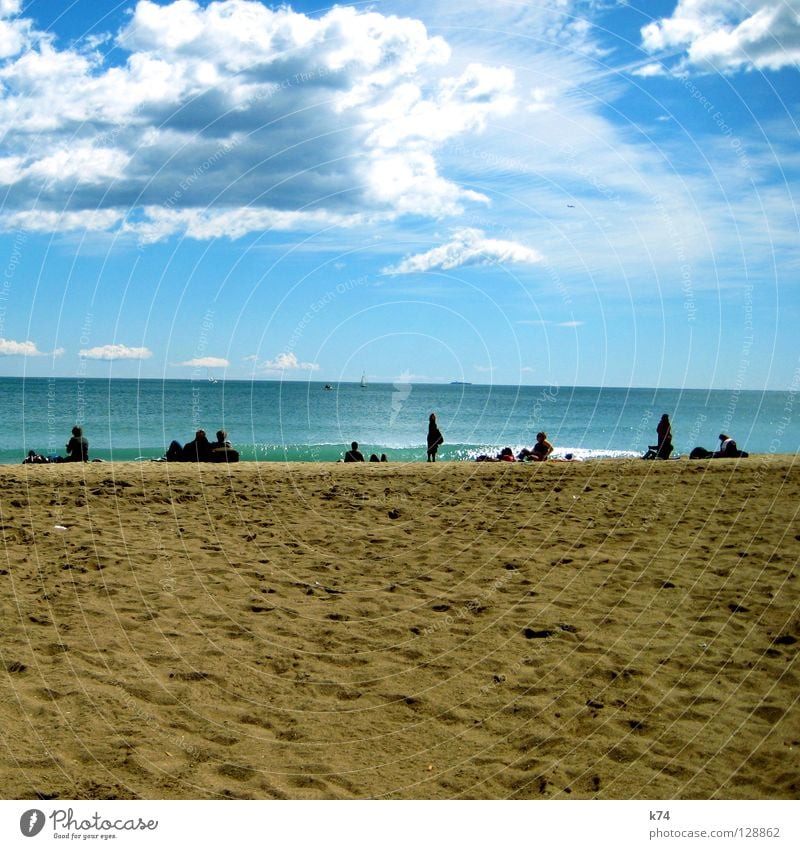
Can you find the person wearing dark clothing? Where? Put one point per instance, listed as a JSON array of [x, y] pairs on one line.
[[728, 447], [540, 451], [664, 433], [663, 449], [222, 440], [198, 450], [174, 452], [77, 447], [435, 438], [35, 458], [222, 451], [353, 455]]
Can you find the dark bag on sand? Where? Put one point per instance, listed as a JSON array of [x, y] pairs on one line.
[[700, 454]]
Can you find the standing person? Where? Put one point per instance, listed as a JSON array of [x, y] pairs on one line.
[[664, 432], [77, 447], [435, 438]]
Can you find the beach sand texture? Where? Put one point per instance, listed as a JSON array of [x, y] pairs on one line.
[[613, 630]]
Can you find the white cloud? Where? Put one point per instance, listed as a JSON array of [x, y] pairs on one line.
[[728, 35], [44, 221], [468, 246], [286, 362], [206, 362], [115, 352], [10, 348], [234, 117], [651, 69], [15, 34]]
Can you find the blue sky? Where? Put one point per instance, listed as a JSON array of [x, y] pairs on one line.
[[589, 193]]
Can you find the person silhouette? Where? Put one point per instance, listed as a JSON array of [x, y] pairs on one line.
[[435, 438]]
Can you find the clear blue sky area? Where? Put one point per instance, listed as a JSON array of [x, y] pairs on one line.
[[581, 193]]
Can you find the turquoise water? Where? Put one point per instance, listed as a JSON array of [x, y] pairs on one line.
[[273, 420]]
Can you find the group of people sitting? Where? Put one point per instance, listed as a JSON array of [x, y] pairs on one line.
[[727, 448], [541, 450], [663, 448], [77, 451], [355, 456], [201, 450]]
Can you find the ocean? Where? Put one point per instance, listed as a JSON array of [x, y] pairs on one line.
[[305, 421]]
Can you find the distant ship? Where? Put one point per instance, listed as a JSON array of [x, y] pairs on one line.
[[460, 383], [363, 380]]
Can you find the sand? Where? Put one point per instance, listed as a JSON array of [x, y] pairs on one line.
[[610, 629]]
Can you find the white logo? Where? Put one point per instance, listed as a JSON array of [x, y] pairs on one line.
[[401, 389], [31, 822]]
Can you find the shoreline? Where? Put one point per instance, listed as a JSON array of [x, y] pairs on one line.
[[608, 629], [683, 458]]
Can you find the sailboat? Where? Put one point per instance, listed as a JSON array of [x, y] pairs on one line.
[[363, 380]]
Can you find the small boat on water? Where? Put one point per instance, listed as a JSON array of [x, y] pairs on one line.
[[363, 380], [328, 387]]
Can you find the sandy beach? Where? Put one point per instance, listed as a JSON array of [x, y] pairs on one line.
[[610, 629]]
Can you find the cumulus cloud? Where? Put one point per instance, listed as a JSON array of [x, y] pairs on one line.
[[206, 362], [468, 246], [286, 362], [232, 117], [727, 35], [115, 352], [10, 348]]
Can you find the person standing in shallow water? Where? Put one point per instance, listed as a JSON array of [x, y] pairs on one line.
[[435, 438]]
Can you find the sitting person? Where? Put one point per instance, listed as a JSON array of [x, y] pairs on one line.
[[373, 458], [174, 452], [728, 447], [33, 457], [222, 440], [540, 451], [222, 451], [77, 448], [506, 455], [663, 450], [353, 455], [198, 450]]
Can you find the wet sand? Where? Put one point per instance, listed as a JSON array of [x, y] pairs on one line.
[[609, 629]]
